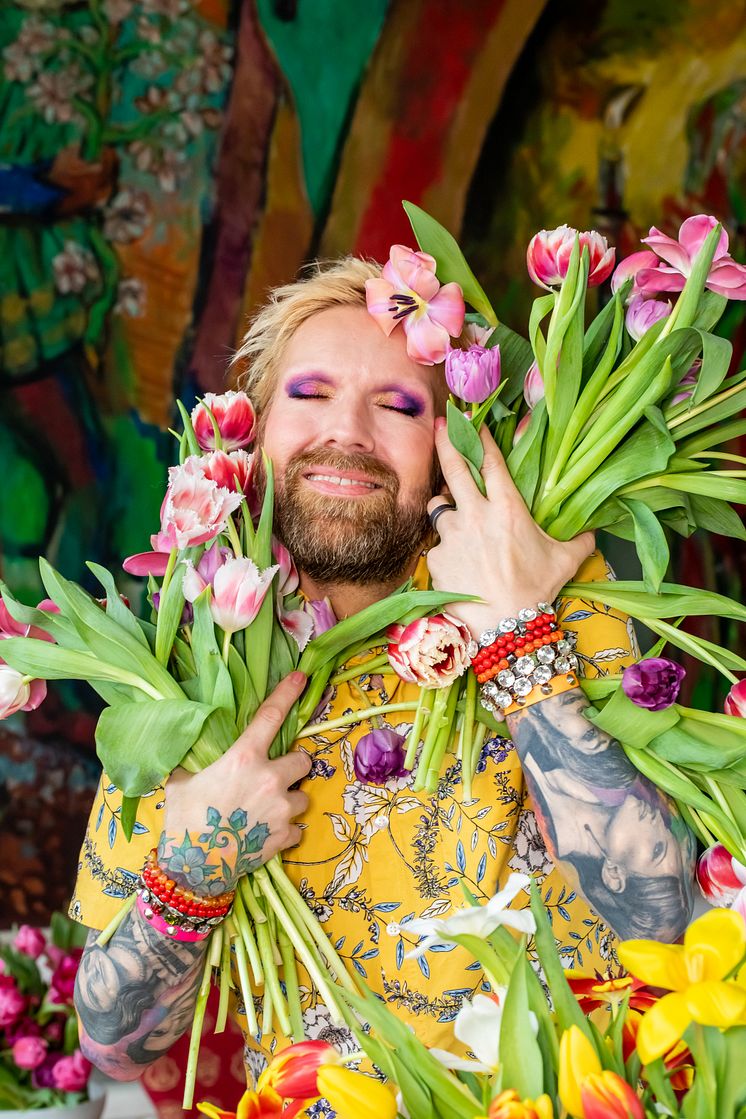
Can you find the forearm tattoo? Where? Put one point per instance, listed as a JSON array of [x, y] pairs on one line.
[[617, 837], [135, 997], [212, 862]]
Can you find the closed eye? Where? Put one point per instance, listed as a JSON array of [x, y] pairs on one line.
[[411, 410]]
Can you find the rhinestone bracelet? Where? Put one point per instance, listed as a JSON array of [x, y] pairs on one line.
[[153, 906]]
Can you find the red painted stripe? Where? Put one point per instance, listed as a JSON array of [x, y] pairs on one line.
[[442, 50]]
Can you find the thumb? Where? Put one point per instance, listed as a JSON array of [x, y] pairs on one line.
[[581, 547]]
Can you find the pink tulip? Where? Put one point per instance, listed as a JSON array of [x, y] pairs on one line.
[[234, 415], [735, 701], [533, 385], [12, 1002], [677, 257], [62, 983], [409, 292], [239, 588], [431, 652], [321, 613], [234, 472], [719, 876], [474, 374], [548, 256], [70, 1074], [17, 693], [688, 382], [9, 627], [739, 903], [30, 941], [521, 427], [630, 268], [297, 624], [194, 510], [288, 578], [29, 1052], [477, 335], [203, 575], [643, 313]]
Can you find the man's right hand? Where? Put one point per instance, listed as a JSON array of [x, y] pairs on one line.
[[235, 815]]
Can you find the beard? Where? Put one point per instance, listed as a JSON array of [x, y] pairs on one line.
[[356, 540]]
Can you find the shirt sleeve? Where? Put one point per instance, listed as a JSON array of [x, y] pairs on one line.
[[109, 865], [606, 638]]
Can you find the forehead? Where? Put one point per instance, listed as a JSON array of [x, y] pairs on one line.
[[346, 342]]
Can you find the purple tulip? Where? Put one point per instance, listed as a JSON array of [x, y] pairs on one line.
[[643, 313], [379, 755], [653, 683], [473, 374], [321, 613]]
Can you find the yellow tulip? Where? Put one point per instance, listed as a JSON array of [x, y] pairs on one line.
[[577, 1061], [509, 1105], [353, 1095], [694, 972]]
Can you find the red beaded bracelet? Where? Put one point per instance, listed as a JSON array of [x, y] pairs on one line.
[[169, 893]]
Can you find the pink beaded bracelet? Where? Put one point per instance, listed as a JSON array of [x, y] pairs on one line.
[[157, 922]]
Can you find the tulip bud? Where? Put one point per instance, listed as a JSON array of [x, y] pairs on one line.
[[533, 385], [321, 613], [577, 1061], [717, 876], [353, 1095], [629, 267], [379, 756], [735, 701], [17, 692], [235, 418], [653, 683], [521, 427], [548, 256], [431, 652], [474, 374], [644, 313], [29, 1052], [509, 1105], [605, 1095], [239, 588], [293, 1072]]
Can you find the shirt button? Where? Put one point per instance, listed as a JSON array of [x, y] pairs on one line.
[[380, 822]]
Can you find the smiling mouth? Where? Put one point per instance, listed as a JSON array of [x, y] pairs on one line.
[[342, 483]]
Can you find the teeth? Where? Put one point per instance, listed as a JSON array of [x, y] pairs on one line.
[[340, 481]]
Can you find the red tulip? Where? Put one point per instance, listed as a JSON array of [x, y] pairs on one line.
[[735, 701], [720, 876], [431, 652], [548, 256], [292, 1073], [234, 415], [606, 1096]]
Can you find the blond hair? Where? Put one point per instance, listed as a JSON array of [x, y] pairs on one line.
[[338, 283]]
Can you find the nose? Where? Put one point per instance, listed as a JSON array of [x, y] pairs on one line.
[[347, 427]]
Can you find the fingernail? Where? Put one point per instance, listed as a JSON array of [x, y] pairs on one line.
[[298, 677]]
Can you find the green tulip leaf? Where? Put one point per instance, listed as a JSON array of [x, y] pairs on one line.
[[650, 542]]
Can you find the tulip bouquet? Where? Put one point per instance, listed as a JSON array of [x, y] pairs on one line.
[[609, 1048], [40, 1062], [615, 424], [180, 687]]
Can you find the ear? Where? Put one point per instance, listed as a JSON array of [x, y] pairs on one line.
[[613, 877]]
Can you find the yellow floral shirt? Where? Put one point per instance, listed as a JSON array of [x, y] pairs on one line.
[[372, 857]]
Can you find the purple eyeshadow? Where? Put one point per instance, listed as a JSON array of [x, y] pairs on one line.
[[305, 383]]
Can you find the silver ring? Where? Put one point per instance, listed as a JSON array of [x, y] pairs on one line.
[[437, 512]]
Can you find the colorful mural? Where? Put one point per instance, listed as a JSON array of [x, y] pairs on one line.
[[164, 162]]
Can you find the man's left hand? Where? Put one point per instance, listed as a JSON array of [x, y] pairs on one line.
[[491, 546]]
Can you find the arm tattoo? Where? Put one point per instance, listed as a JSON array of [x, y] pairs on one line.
[[135, 997], [199, 863], [614, 834]]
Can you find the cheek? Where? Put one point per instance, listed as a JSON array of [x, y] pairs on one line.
[[410, 453]]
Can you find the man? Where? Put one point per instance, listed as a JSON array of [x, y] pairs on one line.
[[355, 431]]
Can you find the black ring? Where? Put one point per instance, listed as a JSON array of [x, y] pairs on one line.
[[437, 511]]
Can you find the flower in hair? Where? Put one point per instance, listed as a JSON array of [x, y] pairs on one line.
[[409, 292]]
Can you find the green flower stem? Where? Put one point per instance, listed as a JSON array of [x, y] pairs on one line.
[[694, 820], [434, 726], [295, 902], [226, 646], [244, 982], [267, 1011], [469, 765], [248, 940], [252, 905], [497, 967], [271, 979], [375, 665], [292, 988], [313, 693], [424, 708], [316, 973], [353, 717], [466, 739], [711, 402], [106, 934], [442, 740], [212, 960], [225, 984], [169, 570]]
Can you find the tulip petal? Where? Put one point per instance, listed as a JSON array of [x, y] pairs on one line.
[[719, 936], [447, 308], [716, 1004], [147, 563], [669, 250], [662, 1026], [297, 624], [694, 232], [728, 278], [659, 965], [427, 342], [378, 299], [651, 281]]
